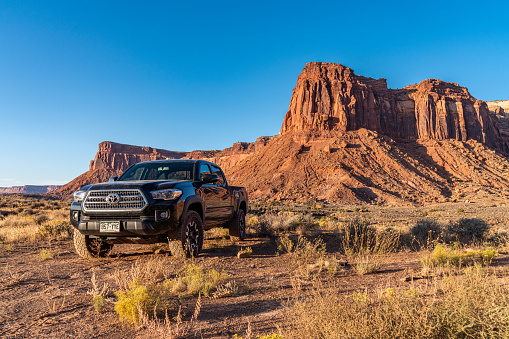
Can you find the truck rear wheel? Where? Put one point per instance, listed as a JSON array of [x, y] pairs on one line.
[[88, 248], [191, 237], [237, 227]]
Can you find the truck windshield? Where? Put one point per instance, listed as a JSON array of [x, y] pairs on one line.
[[159, 171]]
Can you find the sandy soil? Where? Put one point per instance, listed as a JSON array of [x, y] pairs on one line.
[[49, 298]]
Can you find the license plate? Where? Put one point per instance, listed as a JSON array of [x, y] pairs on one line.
[[109, 226]]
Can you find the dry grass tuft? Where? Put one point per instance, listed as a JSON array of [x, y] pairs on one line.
[[31, 225], [366, 247], [468, 305]]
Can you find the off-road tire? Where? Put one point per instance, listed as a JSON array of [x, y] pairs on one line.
[[191, 237], [237, 227], [89, 248]]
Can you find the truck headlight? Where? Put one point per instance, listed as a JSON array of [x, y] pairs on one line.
[[79, 196], [169, 194]]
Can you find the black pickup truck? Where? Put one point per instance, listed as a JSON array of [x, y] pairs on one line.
[[157, 201]]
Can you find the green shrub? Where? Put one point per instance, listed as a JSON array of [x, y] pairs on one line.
[[443, 256], [99, 303], [426, 232], [149, 298], [467, 231], [194, 280]]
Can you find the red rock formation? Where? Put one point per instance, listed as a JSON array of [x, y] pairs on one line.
[[117, 156], [331, 98], [29, 189], [230, 156]]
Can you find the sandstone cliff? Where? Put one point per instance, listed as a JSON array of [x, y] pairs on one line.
[[331, 98], [29, 189], [499, 107], [117, 156]]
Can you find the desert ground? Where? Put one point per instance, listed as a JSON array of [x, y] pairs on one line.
[[309, 271]]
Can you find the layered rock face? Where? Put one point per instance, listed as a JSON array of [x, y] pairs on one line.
[[117, 156], [330, 98], [230, 156], [29, 189], [499, 107]]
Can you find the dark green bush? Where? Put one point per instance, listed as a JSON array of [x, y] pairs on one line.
[[468, 230], [426, 231]]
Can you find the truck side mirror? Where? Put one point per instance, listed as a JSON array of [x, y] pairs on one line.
[[208, 178], [112, 179]]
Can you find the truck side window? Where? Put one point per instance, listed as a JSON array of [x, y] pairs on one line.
[[217, 170]]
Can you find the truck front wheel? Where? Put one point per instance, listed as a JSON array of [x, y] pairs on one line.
[[87, 247], [191, 236]]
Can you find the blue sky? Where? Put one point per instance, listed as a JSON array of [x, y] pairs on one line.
[[204, 74]]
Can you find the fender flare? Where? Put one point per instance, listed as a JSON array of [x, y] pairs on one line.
[[241, 199], [191, 200]]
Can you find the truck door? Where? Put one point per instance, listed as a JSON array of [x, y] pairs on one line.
[[213, 196], [225, 199]]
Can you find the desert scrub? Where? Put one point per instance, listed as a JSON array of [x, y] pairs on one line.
[[468, 230], [306, 256], [15, 228], [426, 232], [299, 223], [156, 295], [268, 225], [444, 255], [99, 303], [366, 247], [54, 229], [469, 305], [151, 298], [194, 280], [359, 237], [45, 254]]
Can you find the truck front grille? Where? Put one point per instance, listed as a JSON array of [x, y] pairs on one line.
[[115, 200]]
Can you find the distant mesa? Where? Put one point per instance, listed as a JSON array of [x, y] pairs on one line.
[[29, 189], [347, 138]]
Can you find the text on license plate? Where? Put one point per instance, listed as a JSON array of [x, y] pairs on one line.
[[109, 226]]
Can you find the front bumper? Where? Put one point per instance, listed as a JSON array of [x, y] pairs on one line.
[[132, 224]]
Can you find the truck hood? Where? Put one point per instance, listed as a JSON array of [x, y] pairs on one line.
[[144, 185]]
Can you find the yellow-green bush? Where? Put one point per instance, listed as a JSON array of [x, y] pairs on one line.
[[99, 303], [149, 298], [194, 280], [443, 255]]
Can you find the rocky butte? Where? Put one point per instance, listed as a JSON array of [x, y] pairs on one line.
[[330, 97], [347, 138]]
